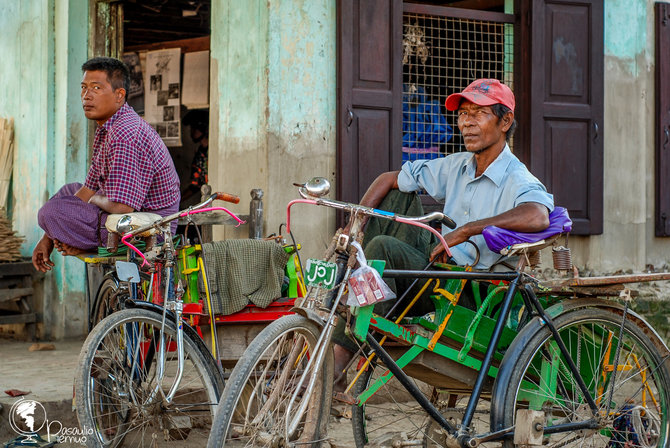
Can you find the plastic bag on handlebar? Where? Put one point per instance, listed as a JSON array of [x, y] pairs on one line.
[[365, 284]]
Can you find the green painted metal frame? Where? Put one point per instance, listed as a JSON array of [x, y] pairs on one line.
[[444, 308], [191, 254], [471, 329]]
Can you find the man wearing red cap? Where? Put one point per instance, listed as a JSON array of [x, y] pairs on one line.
[[482, 186]]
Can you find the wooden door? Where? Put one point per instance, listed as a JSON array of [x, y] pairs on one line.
[[566, 106], [662, 119], [369, 107]]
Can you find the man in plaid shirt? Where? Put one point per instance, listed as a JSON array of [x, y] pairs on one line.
[[131, 170]]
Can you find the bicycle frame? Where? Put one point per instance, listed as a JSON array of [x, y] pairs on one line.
[[324, 340], [171, 301], [518, 282], [364, 328]]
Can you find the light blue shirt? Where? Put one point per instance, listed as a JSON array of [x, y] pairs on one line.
[[505, 184]]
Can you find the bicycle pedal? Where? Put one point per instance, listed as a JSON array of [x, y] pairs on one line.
[[344, 398]]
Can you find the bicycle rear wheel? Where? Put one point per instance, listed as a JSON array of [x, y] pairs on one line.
[[255, 403], [636, 415], [108, 299], [120, 397]]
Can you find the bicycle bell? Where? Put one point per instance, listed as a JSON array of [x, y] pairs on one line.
[[316, 187]]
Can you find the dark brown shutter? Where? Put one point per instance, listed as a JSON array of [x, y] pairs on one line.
[[566, 106], [662, 119], [369, 108]]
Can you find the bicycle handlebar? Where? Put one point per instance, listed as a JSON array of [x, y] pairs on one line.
[[434, 216], [419, 221], [198, 208], [228, 198]]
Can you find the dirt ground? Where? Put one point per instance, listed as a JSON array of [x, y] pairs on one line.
[[394, 435]]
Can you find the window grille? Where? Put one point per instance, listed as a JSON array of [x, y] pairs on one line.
[[442, 55]]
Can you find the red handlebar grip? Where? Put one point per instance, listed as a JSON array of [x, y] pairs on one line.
[[228, 198]]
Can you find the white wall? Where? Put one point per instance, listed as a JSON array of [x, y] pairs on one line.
[[43, 46]]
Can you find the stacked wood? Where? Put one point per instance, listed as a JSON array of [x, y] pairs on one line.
[[10, 242], [6, 157]]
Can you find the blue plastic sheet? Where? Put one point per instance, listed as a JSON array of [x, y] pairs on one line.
[[423, 125]]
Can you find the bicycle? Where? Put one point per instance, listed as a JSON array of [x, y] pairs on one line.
[[555, 372], [144, 374]]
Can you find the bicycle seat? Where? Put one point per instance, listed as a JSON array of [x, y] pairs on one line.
[[499, 240], [137, 220]]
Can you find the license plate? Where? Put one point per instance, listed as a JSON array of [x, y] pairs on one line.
[[127, 272], [321, 273]]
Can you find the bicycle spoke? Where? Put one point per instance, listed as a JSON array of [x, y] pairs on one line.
[[637, 384], [123, 381]]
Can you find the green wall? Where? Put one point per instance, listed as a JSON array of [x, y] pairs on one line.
[[44, 44], [631, 16]]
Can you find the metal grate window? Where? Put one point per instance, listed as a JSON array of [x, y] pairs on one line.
[[442, 55]]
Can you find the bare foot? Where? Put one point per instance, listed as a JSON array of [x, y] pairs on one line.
[[42, 253], [66, 249]]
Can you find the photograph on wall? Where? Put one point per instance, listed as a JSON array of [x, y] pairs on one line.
[[173, 129], [169, 113], [162, 100], [135, 95], [156, 83], [173, 90]]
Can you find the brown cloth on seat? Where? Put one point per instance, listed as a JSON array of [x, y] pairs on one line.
[[242, 272]]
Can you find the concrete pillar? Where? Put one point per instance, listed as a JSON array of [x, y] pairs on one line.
[[273, 107]]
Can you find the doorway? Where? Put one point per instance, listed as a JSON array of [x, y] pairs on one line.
[[171, 92]]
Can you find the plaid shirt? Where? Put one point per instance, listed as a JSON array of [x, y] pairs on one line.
[[131, 164]]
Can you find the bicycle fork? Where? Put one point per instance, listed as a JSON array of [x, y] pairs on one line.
[[320, 349], [174, 303]]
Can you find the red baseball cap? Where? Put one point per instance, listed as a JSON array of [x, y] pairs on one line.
[[483, 92]]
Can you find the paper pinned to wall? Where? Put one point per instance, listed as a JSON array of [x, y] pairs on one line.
[[195, 89], [162, 94], [135, 96]]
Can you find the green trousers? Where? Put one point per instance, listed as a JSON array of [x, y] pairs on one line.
[[402, 247]]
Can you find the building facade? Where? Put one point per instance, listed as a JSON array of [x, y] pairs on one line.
[[278, 115]]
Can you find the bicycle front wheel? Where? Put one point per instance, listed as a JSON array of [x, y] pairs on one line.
[[264, 395], [120, 395], [632, 398]]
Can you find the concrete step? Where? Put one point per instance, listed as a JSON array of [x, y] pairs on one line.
[[47, 375]]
